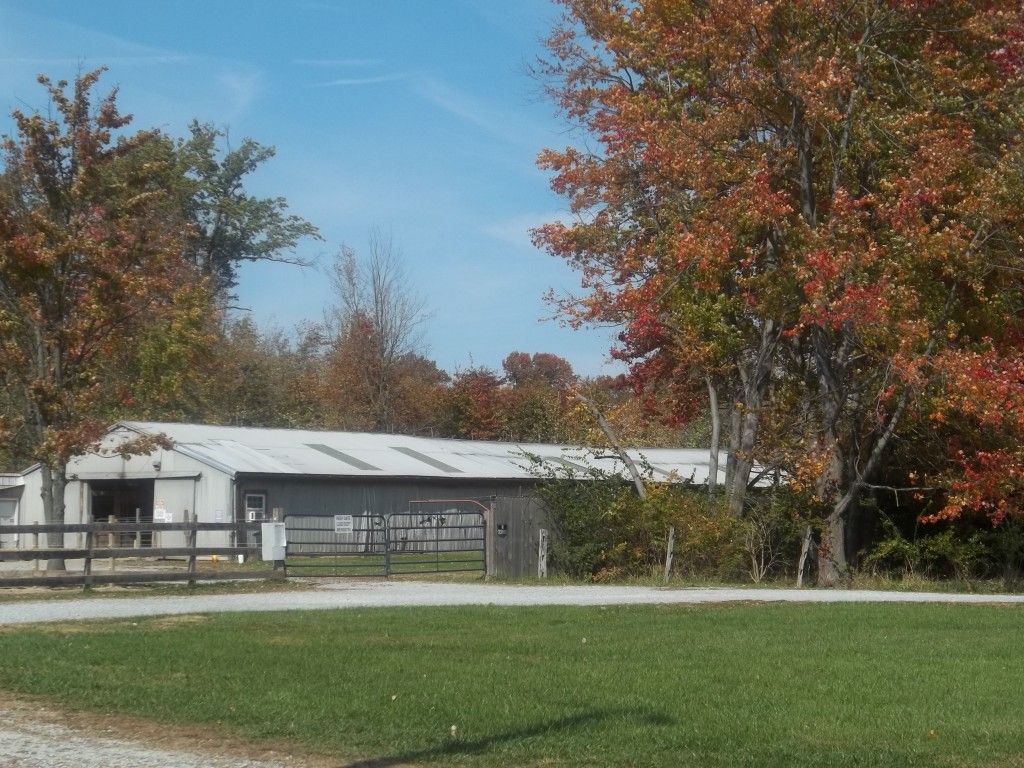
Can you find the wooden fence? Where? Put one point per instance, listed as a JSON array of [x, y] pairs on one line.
[[106, 542]]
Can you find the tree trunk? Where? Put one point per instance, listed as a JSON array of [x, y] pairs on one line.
[[832, 565], [744, 462], [833, 568], [53, 481], [716, 429], [755, 386], [609, 432], [735, 423]]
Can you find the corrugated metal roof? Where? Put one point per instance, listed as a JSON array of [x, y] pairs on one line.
[[361, 454]]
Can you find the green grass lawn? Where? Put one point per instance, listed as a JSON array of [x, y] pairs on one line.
[[735, 685]]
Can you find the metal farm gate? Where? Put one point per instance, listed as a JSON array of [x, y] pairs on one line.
[[433, 536]]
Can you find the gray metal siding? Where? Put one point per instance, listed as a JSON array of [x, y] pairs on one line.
[[393, 496], [384, 496]]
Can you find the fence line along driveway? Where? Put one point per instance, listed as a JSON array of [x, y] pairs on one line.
[[371, 594]]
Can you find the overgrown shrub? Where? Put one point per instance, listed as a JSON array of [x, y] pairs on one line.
[[1004, 547], [942, 554], [603, 531], [709, 540], [771, 534]]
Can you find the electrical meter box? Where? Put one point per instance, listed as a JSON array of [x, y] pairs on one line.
[[274, 541]]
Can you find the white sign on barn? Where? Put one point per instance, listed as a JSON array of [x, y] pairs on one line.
[[160, 512]]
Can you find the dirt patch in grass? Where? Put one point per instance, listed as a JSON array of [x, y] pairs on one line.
[[70, 627], [182, 620], [105, 627]]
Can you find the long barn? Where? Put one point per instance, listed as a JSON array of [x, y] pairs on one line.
[[223, 474]]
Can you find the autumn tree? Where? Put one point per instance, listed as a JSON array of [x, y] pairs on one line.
[[377, 330], [474, 406], [536, 394], [803, 203], [266, 378], [91, 251]]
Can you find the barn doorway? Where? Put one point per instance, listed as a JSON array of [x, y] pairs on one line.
[[127, 501]]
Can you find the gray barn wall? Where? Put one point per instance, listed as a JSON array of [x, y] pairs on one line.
[[511, 555], [302, 495]]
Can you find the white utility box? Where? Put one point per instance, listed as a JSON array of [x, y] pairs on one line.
[[274, 541]]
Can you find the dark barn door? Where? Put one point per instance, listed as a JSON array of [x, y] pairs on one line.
[[127, 501]]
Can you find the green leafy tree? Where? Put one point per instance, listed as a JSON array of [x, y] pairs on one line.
[[229, 226]]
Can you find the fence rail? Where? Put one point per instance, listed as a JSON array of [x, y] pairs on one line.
[[126, 527], [104, 541]]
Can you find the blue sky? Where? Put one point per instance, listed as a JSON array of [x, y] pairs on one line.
[[415, 118]]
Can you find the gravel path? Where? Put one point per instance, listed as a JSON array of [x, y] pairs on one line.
[[367, 594], [28, 741]]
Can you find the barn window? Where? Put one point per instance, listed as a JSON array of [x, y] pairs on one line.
[[255, 507]]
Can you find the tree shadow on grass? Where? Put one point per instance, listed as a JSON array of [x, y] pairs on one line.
[[484, 744]]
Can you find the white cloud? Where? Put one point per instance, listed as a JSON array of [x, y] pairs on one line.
[[468, 109], [241, 88], [345, 81], [337, 62]]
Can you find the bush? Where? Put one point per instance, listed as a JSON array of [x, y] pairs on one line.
[[603, 531], [771, 534], [946, 554], [1004, 546]]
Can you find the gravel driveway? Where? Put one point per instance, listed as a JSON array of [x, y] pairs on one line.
[[367, 594], [32, 737]]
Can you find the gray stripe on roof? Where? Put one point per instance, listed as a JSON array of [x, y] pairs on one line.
[[573, 465], [350, 460], [425, 459]]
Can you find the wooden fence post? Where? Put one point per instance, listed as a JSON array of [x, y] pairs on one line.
[[35, 545], [193, 537], [87, 568], [110, 541], [669, 548]]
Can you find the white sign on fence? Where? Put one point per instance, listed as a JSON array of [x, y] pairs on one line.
[[160, 512], [343, 524]]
